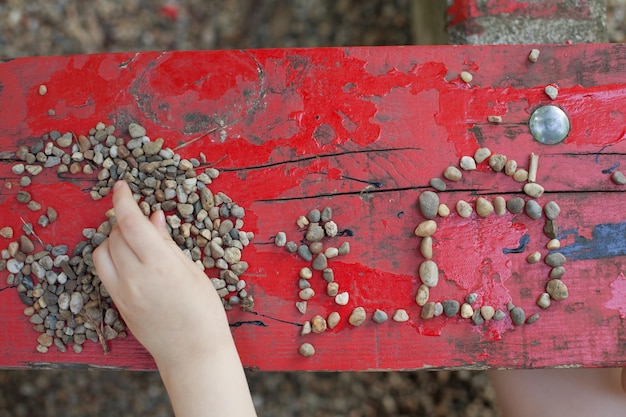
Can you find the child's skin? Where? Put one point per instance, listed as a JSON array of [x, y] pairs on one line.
[[174, 311]]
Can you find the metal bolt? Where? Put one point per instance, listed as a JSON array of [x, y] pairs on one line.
[[549, 125]]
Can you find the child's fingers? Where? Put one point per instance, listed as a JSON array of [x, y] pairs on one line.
[[624, 379], [104, 264], [158, 221], [136, 229]]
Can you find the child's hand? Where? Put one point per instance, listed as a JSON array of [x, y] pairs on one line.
[[167, 302], [173, 309]]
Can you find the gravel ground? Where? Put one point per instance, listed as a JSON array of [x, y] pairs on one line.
[[52, 27]]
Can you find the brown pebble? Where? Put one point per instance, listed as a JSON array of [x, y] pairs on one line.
[[52, 214], [484, 208], [443, 210], [423, 292], [533, 189], [464, 209], [499, 206], [487, 312], [333, 320], [428, 310], [26, 245], [452, 173], [426, 247], [544, 300], [550, 229], [494, 119], [534, 257], [497, 162], [357, 317], [557, 289], [510, 167], [521, 175], [426, 228], [318, 324]]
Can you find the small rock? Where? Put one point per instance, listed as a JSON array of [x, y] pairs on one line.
[[52, 215], [6, 232], [438, 184], [497, 162], [357, 317], [557, 289], [466, 311], [533, 56], [306, 273], [76, 302], [302, 222], [532, 319], [516, 205], [301, 306], [499, 205], [555, 259], [534, 257], [318, 324], [305, 253], [331, 229], [521, 175], [481, 155], [429, 273], [136, 131], [438, 309], [450, 307], [618, 178], [484, 208], [443, 210], [344, 249], [533, 189], [452, 173], [518, 316], [26, 245], [553, 244], [467, 163], [306, 350], [328, 275], [400, 315], [380, 316], [327, 214], [510, 167], [332, 289], [14, 266], [306, 328], [551, 229], [292, 247], [280, 239], [423, 292], [544, 300], [428, 310], [557, 273], [494, 119], [464, 209], [18, 169], [342, 298], [477, 318], [45, 340], [426, 247], [533, 210], [551, 210], [471, 298], [487, 312], [426, 228], [42, 92], [428, 203], [551, 91], [333, 319], [466, 77], [314, 216], [320, 263], [315, 232], [499, 315], [306, 294], [23, 196]]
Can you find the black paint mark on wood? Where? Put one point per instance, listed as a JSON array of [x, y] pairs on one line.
[[523, 242]]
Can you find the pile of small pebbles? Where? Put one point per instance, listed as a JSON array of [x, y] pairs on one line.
[[431, 207], [64, 298]]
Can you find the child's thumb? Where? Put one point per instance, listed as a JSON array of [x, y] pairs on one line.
[[158, 221]]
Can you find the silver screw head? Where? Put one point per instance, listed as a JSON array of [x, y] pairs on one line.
[[549, 125]]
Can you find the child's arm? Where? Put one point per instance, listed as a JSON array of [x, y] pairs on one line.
[[172, 308]]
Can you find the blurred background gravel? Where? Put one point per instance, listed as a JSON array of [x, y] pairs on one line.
[[54, 27]]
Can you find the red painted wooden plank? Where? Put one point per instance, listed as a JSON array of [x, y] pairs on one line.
[[361, 130]]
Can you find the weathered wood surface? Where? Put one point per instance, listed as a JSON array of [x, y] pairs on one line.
[[361, 130]]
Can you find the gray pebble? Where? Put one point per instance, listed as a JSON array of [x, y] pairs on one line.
[[544, 300], [428, 203], [305, 253], [328, 275], [532, 318], [59, 250], [551, 229], [477, 318], [499, 315], [136, 131], [516, 205], [320, 263], [551, 210], [291, 246], [344, 249], [555, 259], [533, 210], [438, 309], [303, 283], [327, 214], [314, 216], [471, 298], [429, 273], [518, 316], [315, 232], [380, 316], [557, 272], [438, 184], [450, 307]]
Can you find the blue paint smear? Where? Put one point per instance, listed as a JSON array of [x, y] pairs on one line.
[[611, 168], [523, 242], [607, 241]]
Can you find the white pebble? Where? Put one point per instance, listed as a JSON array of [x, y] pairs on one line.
[[342, 298]]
